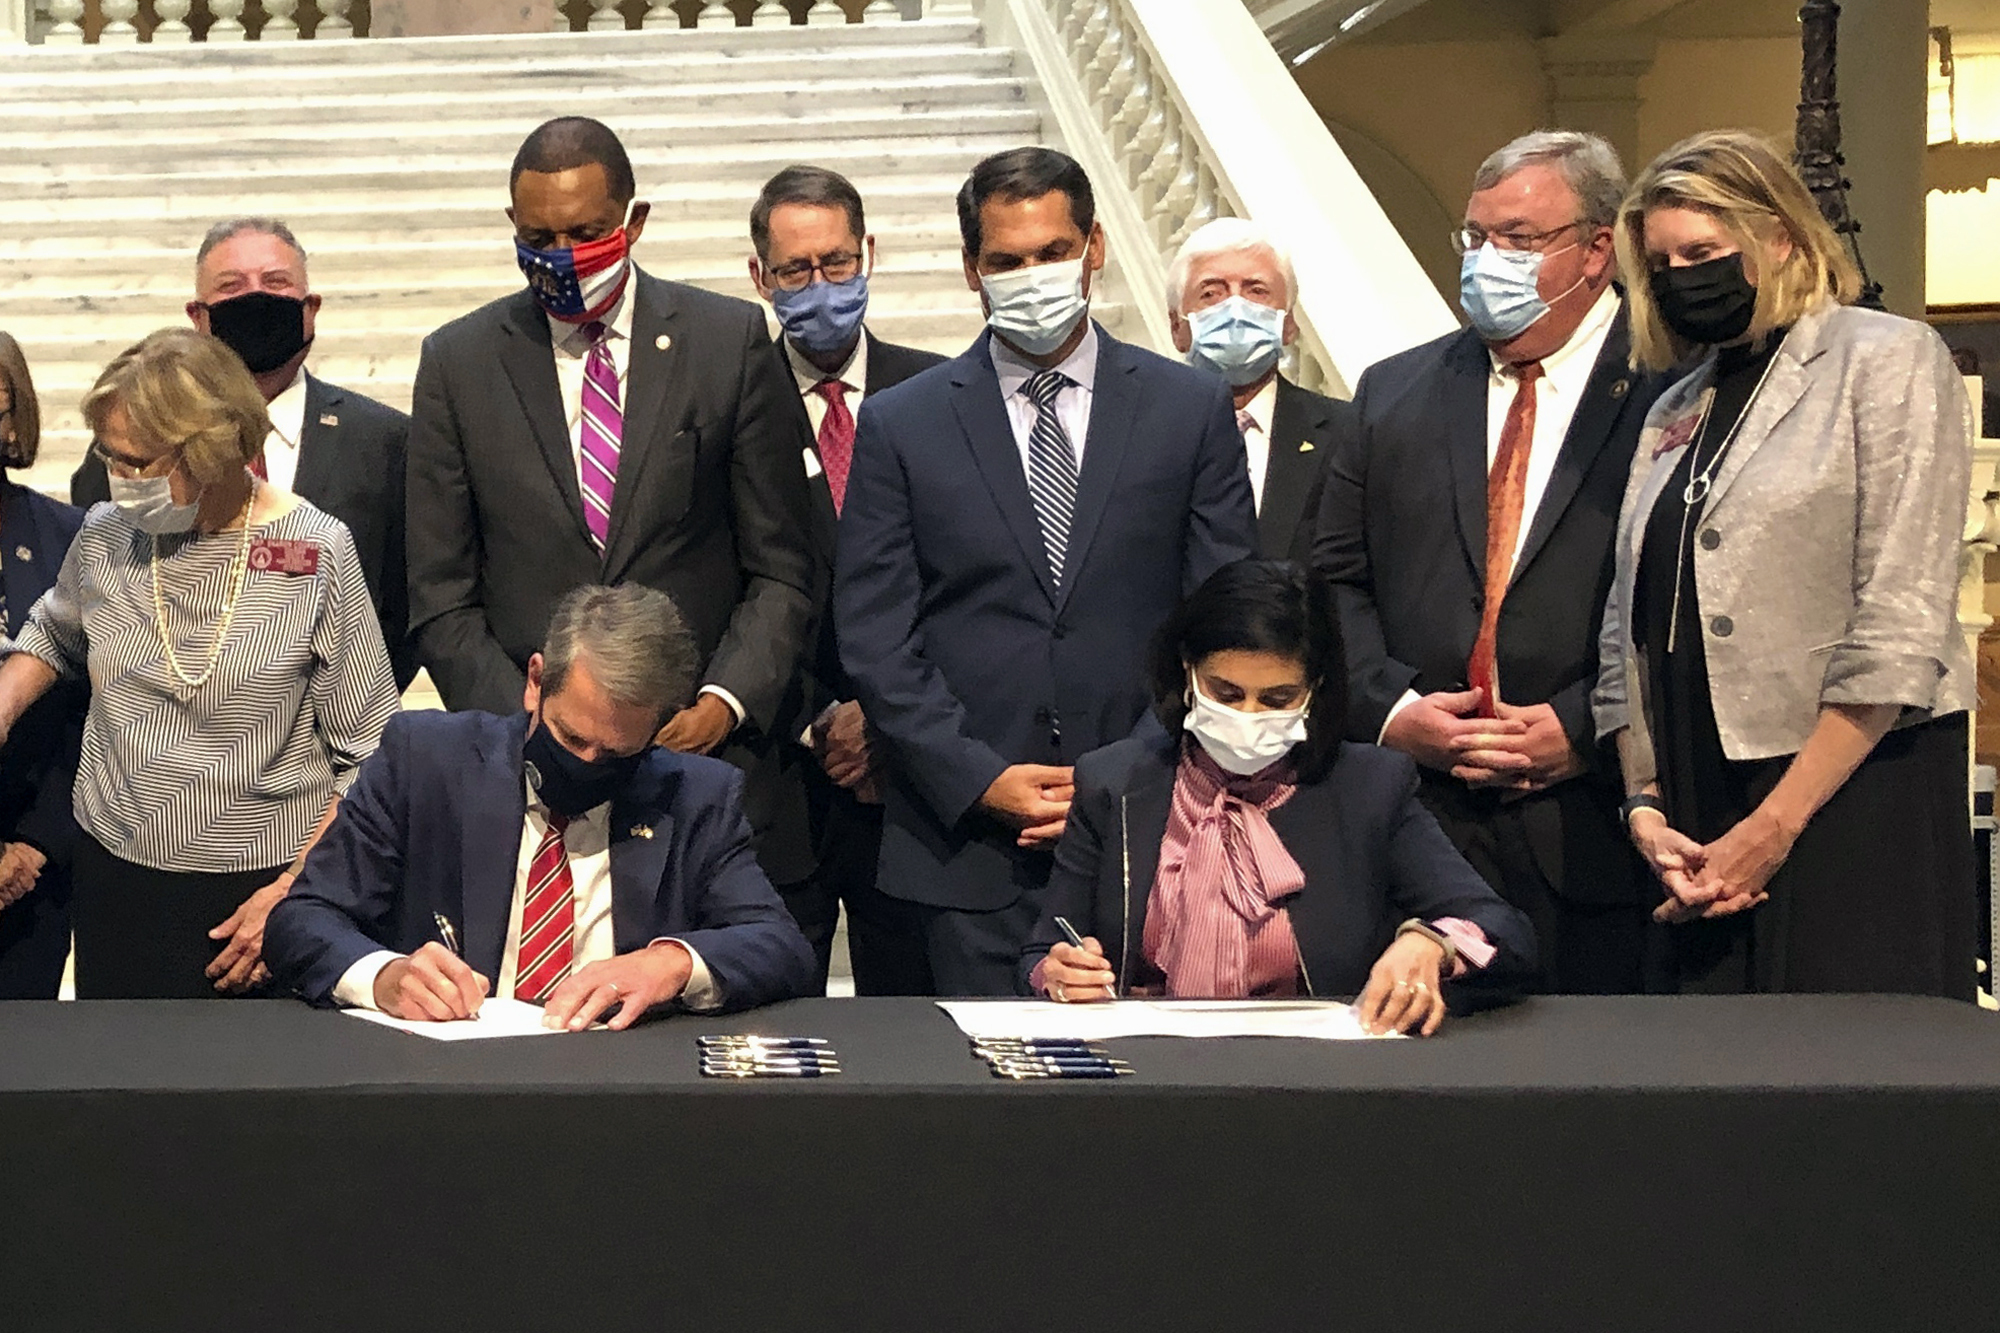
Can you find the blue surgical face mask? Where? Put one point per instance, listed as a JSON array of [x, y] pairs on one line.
[[823, 317], [1038, 307], [1237, 339], [148, 505], [1500, 290]]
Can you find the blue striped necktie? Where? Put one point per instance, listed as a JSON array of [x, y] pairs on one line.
[[1051, 467]]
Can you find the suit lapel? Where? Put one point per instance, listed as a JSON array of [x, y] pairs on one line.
[[495, 806], [1790, 375], [528, 359], [826, 520], [318, 442], [657, 401], [18, 533], [983, 418], [1145, 812], [642, 840], [1288, 473], [1114, 405], [1463, 405], [1605, 399]]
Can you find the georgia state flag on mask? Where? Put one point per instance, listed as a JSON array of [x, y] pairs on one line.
[[580, 284]]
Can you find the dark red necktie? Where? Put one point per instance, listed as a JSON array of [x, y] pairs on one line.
[[1506, 495], [548, 917], [836, 439]]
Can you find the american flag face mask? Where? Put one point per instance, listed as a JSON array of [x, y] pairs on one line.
[[577, 285]]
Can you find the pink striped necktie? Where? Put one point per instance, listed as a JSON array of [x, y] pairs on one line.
[[548, 917], [603, 426]]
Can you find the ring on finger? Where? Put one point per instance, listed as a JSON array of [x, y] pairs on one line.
[[1061, 994]]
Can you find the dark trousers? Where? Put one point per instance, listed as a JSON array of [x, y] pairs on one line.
[[142, 934], [978, 953], [885, 936], [34, 939], [1587, 947]]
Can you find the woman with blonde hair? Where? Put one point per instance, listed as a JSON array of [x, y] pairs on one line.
[[237, 670], [1781, 660]]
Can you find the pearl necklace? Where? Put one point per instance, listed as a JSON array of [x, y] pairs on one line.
[[239, 569]]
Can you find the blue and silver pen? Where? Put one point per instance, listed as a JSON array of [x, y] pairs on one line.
[[448, 934]]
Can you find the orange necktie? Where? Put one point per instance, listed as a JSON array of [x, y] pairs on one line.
[[1506, 493]]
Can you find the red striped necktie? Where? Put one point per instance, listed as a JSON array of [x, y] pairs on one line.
[[548, 918]]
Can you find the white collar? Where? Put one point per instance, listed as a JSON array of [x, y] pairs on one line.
[[1080, 365], [288, 411], [854, 374], [1569, 367], [1264, 406], [618, 321]]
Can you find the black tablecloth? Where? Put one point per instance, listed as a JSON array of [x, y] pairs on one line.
[[1765, 1163]]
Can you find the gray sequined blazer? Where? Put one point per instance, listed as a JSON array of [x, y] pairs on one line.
[[1827, 557]]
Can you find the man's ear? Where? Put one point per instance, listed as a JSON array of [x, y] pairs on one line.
[[531, 693]]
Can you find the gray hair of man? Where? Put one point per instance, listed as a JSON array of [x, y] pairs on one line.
[[1226, 236], [1588, 163], [230, 228], [638, 646]]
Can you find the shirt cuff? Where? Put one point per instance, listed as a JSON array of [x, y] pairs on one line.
[[701, 994], [356, 987], [735, 707], [1474, 951], [1409, 697]]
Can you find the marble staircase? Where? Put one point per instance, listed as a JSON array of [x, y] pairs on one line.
[[389, 160]]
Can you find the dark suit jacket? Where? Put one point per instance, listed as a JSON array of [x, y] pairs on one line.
[[1306, 427], [1402, 536], [711, 507], [1373, 858], [351, 466], [38, 765], [433, 824], [962, 652]]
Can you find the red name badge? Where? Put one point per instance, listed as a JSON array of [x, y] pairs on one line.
[[272, 555]]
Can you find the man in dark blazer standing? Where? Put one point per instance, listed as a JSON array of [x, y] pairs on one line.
[[552, 856], [1019, 522], [604, 426], [1230, 294], [1468, 528], [339, 449], [812, 261]]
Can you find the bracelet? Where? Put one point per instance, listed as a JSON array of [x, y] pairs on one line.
[[1637, 802], [1443, 941]]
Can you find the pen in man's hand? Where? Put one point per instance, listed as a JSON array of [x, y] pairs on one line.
[[447, 934]]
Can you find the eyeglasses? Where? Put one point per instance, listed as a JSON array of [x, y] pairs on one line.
[[1471, 238], [796, 276], [120, 466]]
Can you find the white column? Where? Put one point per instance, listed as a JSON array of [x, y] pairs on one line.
[[1884, 93], [16, 18]]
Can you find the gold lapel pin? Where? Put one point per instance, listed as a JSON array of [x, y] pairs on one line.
[[23, 553], [1619, 389], [662, 343], [1305, 446], [641, 831]]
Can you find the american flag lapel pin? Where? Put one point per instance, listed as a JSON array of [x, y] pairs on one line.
[[328, 419]]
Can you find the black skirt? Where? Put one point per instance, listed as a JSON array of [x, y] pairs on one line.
[[142, 934]]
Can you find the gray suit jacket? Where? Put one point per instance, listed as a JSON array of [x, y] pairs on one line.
[[1827, 558]]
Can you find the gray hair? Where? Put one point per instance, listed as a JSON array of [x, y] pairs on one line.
[[1226, 236], [230, 228], [1588, 163], [639, 647]]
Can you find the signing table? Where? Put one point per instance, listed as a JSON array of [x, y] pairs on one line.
[[1763, 1163]]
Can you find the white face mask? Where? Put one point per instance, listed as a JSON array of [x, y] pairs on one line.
[[148, 505], [1036, 308], [1243, 743]]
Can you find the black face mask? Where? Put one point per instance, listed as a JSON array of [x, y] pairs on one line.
[[570, 785], [263, 328], [1706, 303]]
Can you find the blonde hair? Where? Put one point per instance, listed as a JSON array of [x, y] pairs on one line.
[[1744, 182], [187, 391]]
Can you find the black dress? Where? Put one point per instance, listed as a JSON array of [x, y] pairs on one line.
[[1877, 894]]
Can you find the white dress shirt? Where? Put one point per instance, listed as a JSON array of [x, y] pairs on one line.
[[588, 843], [1566, 374], [1072, 404], [1257, 439], [853, 377], [572, 347], [288, 423]]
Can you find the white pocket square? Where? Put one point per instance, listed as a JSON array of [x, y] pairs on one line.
[[813, 468]]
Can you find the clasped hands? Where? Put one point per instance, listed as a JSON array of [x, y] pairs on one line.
[[1521, 749], [20, 868], [1727, 876], [847, 751], [1033, 798], [437, 985]]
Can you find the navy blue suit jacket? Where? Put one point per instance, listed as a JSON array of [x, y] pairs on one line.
[[1373, 858], [433, 824], [38, 766], [963, 653]]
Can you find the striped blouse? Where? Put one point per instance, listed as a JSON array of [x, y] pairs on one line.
[[234, 774]]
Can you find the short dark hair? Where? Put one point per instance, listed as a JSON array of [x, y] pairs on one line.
[[27, 408], [569, 142], [813, 186], [1263, 606], [1018, 174], [640, 649]]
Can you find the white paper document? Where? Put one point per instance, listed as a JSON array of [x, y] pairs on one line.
[[1325, 1020], [496, 1018]]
